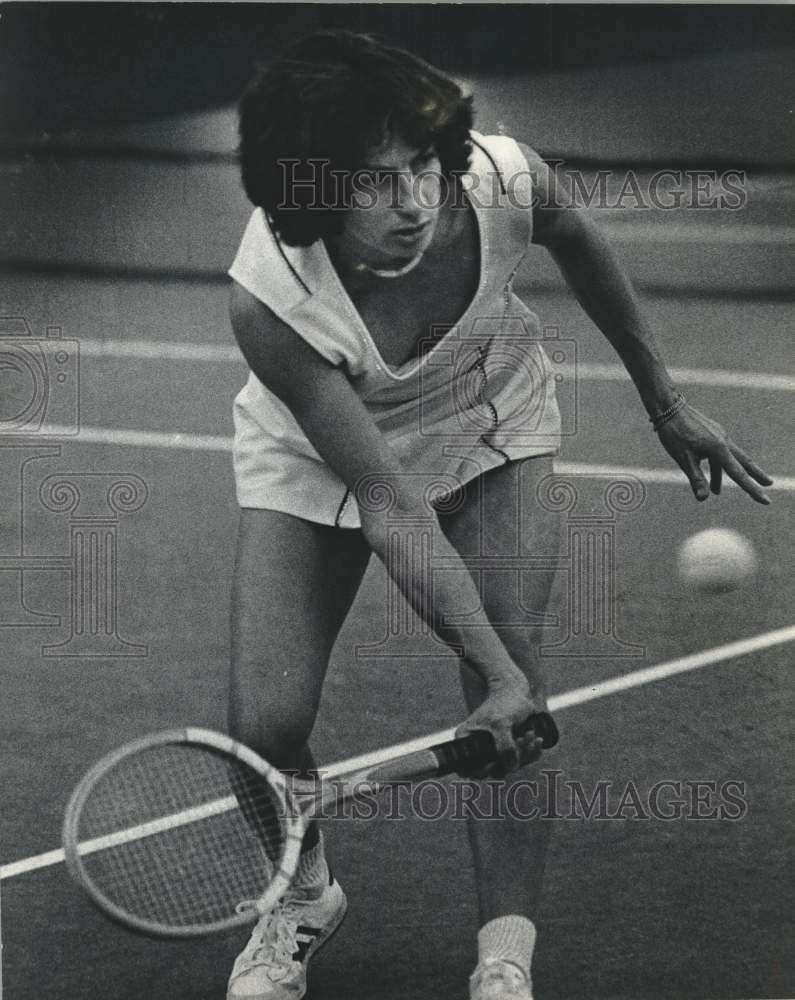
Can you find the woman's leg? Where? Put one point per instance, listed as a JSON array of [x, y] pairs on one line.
[[501, 517], [293, 584]]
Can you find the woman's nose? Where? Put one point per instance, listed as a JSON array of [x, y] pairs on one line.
[[406, 191]]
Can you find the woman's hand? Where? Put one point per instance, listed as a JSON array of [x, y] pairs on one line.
[[689, 437], [506, 706]]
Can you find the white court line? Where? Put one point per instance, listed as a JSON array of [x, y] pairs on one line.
[[154, 350], [217, 442], [216, 807], [624, 682], [655, 232], [717, 377], [157, 350], [123, 436], [578, 696], [660, 477]]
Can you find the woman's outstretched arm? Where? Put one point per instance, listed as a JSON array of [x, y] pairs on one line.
[[593, 272]]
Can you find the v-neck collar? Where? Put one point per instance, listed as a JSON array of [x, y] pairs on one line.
[[408, 368]]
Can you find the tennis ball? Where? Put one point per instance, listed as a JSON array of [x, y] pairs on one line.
[[716, 560]]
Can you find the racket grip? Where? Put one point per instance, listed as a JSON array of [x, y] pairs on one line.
[[472, 752], [544, 727]]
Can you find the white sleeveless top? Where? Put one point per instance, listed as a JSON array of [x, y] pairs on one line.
[[483, 395]]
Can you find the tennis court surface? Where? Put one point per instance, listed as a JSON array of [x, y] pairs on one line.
[[637, 906]]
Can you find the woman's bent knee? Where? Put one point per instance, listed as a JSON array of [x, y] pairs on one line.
[[281, 741], [271, 715]]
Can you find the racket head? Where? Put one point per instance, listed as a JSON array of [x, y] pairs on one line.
[[168, 834]]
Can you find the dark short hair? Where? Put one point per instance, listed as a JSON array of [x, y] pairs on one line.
[[333, 96]]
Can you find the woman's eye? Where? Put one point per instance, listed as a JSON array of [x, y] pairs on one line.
[[377, 178], [425, 158]]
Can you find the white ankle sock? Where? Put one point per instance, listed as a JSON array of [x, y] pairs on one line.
[[510, 938], [312, 868]]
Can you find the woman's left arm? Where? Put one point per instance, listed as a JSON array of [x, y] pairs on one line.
[[592, 270]]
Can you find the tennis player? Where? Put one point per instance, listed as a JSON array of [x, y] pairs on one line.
[[396, 382]]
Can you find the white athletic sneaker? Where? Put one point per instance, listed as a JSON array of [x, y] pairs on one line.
[[273, 964], [496, 979]]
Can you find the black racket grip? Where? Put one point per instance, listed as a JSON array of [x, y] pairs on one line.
[[475, 751]]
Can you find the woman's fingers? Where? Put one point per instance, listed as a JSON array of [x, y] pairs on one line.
[[530, 749], [690, 443], [731, 460], [689, 465], [750, 466], [715, 476], [511, 754], [736, 471]]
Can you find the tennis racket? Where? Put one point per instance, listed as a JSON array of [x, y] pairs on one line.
[[188, 832]]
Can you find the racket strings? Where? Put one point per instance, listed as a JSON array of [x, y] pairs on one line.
[[178, 835]]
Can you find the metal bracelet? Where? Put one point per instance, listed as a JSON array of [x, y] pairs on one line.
[[662, 418]]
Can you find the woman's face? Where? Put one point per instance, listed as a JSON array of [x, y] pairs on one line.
[[396, 202]]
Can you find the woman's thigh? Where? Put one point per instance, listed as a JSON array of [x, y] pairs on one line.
[[293, 584], [501, 521]]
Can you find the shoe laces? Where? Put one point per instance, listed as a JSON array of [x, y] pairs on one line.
[[499, 975], [273, 941]]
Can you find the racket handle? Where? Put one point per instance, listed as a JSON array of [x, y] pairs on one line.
[[472, 752]]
